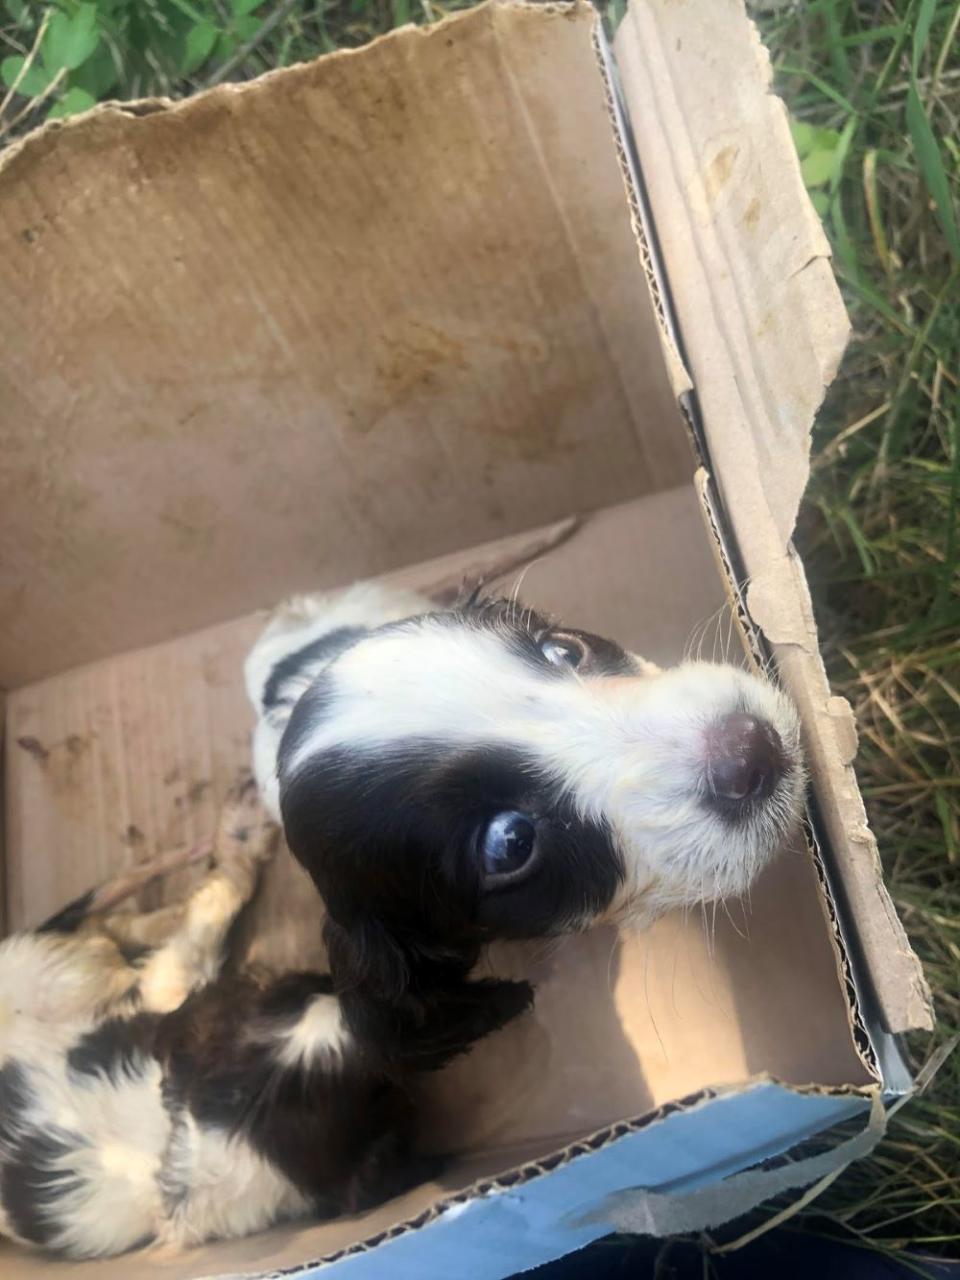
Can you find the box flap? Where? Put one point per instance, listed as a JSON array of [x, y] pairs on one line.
[[118, 760], [764, 328], [281, 334]]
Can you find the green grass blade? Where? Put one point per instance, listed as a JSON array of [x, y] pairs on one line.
[[931, 167], [921, 33]]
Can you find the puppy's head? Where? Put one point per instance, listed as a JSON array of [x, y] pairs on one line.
[[482, 773]]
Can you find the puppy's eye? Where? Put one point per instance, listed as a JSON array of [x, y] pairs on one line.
[[507, 847], [563, 650]]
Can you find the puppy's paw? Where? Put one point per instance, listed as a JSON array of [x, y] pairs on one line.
[[245, 832]]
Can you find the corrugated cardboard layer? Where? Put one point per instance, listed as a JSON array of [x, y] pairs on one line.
[[139, 748], [764, 329], [365, 311]]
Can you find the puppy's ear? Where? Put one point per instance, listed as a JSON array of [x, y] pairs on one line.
[[412, 1008], [367, 960], [455, 1018]]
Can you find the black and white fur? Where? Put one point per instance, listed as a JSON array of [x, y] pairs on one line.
[[397, 742], [148, 1098]]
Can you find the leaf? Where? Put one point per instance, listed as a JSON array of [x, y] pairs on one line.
[[73, 100], [821, 202], [931, 167], [247, 26], [32, 84], [199, 46], [227, 46], [803, 135], [818, 168], [98, 75], [819, 151], [242, 7], [71, 37]]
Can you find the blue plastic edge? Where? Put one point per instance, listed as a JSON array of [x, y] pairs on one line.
[[513, 1230]]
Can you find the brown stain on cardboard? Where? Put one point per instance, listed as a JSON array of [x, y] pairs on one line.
[[417, 363], [752, 214], [64, 763], [409, 364], [720, 169]]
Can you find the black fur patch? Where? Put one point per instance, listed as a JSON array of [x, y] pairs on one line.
[[35, 1172], [391, 839], [340, 1132], [14, 1099], [392, 834], [524, 631], [115, 1048], [69, 918], [323, 649]]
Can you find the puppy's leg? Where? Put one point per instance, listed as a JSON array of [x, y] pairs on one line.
[[193, 954], [98, 901], [148, 929]]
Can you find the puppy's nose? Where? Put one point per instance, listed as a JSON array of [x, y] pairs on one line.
[[744, 758]]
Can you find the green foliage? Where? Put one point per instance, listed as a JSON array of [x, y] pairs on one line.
[[820, 160], [874, 93], [65, 56]]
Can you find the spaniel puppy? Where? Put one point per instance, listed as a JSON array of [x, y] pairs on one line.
[[452, 776], [147, 1098]]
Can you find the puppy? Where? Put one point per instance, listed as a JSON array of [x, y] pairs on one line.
[[452, 776], [147, 1098]]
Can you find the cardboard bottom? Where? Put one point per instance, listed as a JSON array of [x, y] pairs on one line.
[[111, 763]]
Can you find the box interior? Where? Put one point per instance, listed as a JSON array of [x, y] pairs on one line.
[[138, 749], [238, 369]]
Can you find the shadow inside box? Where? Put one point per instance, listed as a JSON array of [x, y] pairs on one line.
[[786, 1254]]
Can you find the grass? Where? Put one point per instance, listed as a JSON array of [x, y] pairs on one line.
[[873, 87], [880, 532]]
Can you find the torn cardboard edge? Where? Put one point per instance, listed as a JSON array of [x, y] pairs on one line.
[[45, 134], [650, 1213], [899, 992], [732, 573], [854, 984]]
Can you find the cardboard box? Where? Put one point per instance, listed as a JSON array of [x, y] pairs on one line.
[[384, 308]]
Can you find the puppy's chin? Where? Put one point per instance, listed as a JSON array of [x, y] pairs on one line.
[[639, 905], [633, 911]]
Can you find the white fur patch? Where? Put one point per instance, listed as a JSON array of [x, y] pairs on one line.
[[227, 1188], [319, 1036], [113, 1131], [296, 624], [57, 979]]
